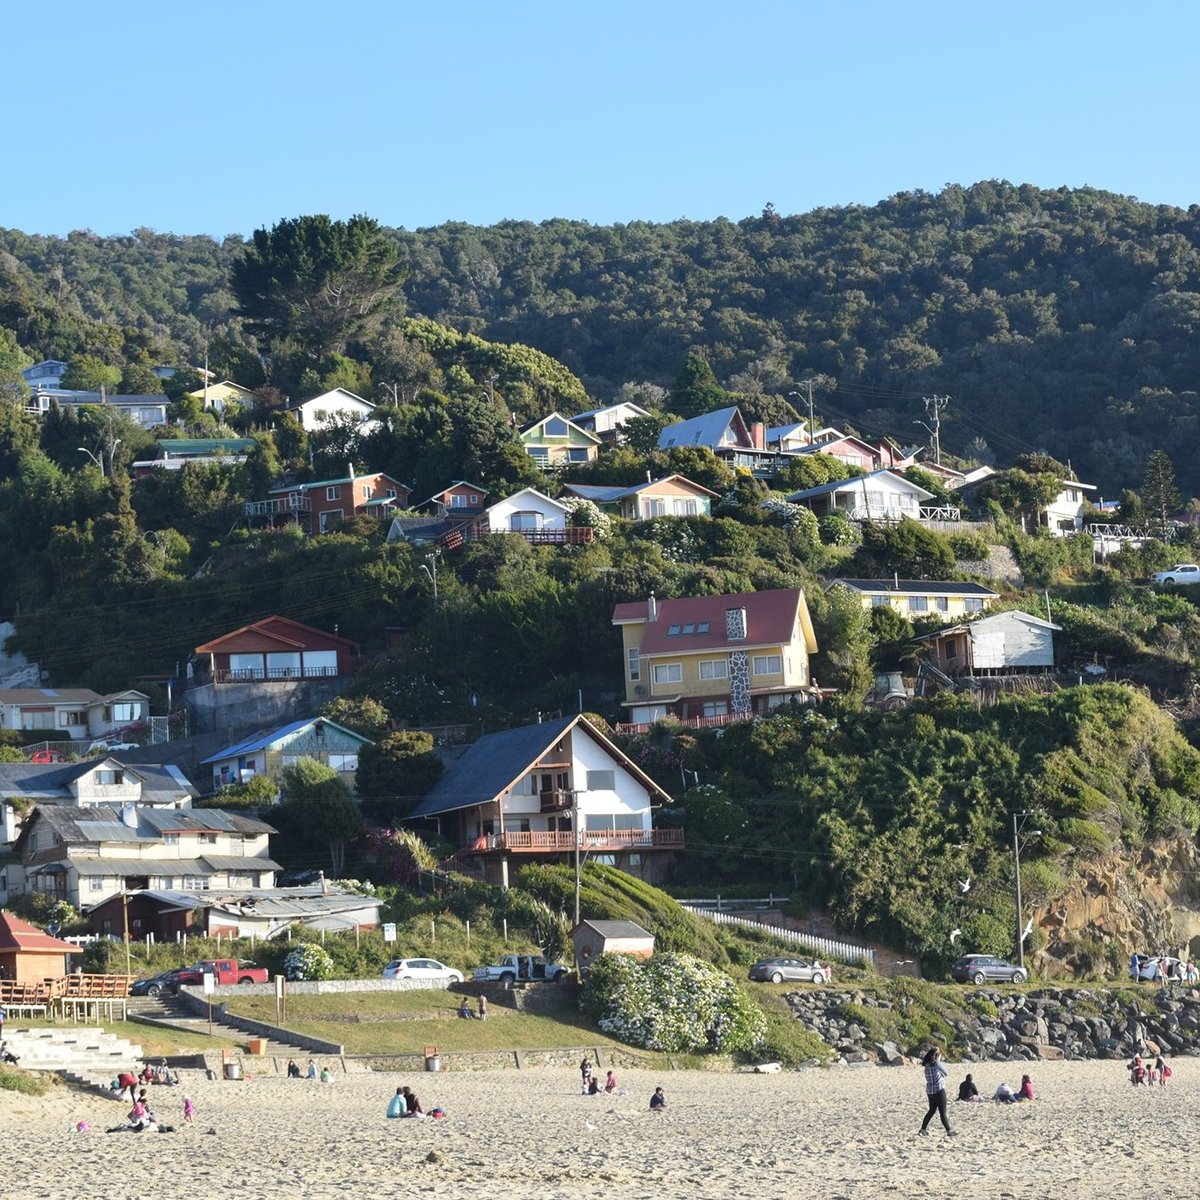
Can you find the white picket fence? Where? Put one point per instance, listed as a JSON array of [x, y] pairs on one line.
[[822, 947]]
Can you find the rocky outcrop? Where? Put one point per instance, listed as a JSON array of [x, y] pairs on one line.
[[993, 1026]]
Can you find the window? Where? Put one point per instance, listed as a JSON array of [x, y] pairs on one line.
[[330, 518], [715, 708], [519, 521], [702, 627], [457, 501], [686, 508], [127, 711], [96, 883], [37, 718], [526, 786], [66, 719], [715, 668], [690, 628], [880, 601], [668, 673], [391, 493], [943, 603], [523, 825], [194, 883], [208, 839], [555, 427], [290, 760], [540, 453], [673, 630], [918, 604], [973, 604], [577, 455], [601, 781], [654, 507], [474, 500], [951, 649], [768, 664], [333, 493], [170, 839], [343, 762], [109, 778], [635, 665]]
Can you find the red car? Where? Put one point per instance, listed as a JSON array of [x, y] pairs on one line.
[[47, 756]]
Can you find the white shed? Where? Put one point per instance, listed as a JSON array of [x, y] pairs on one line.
[[1006, 642], [525, 511]]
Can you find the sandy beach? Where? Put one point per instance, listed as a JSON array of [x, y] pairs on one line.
[[818, 1133]]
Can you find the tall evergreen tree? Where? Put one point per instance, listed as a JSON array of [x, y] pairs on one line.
[[1159, 493]]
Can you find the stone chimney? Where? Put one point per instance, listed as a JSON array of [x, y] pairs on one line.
[[758, 435], [735, 624]]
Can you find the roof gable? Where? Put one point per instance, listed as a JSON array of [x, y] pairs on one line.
[[897, 482], [537, 431], [264, 738], [20, 936], [276, 628], [708, 429]]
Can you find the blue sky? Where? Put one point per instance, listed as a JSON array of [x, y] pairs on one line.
[[218, 117]]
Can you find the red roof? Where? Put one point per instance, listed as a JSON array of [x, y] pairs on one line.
[[24, 938], [770, 621], [279, 629]]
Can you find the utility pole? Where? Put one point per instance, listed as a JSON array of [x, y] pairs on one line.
[[808, 384], [577, 837], [934, 407], [1019, 819]]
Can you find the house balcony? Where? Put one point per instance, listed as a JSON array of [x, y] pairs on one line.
[[888, 515], [555, 801], [273, 674], [717, 722], [574, 535], [559, 842], [284, 506]]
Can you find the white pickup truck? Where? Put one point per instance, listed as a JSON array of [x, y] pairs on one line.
[[1179, 573], [520, 968]]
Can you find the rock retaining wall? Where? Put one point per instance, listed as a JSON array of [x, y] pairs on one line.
[[1048, 1023]]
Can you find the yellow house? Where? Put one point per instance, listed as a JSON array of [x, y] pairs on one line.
[[713, 658], [920, 597], [218, 395]]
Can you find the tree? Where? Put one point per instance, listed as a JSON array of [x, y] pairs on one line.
[[138, 380], [316, 282], [696, 389], [89, 374], [396, 772], [1159, 493], [317, 810], [358, 714]]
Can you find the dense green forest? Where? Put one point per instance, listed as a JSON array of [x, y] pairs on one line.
[[1063, 320]]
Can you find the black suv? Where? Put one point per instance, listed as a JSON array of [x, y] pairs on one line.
[[986, 968]]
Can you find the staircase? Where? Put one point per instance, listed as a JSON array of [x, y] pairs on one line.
[[80, 1054]]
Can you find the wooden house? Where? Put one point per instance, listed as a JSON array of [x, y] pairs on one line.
[[29, 954], [1008, 643], [275, 650]]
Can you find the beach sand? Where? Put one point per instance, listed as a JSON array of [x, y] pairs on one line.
[[825, 1133]]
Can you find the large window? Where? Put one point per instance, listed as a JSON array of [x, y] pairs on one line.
[[973, 604], [333, 493], [880, 601], [577, 455], [555, 427], [768, 664], [918, 604], [344, 762], [715, 708], [715, 668], [668, 673], [601, 781], [943, 603], [66, 719], [330, 518], [520, 521]]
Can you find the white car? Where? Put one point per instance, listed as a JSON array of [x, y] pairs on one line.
[[421, 968], [1154, 968], [1179, 573]]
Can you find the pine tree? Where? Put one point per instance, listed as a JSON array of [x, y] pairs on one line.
[[1159, 493]]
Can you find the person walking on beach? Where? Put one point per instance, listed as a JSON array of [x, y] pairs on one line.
[[935, 1091], [189, 1110], [585, 1069]]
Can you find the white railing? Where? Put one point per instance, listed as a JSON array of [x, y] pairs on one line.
[[825, 947], [943, 513]]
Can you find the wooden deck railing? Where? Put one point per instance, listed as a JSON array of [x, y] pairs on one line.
[[593, 840]]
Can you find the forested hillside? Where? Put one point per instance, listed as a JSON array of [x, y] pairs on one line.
[[1062, 320]]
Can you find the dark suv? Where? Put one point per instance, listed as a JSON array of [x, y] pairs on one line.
[[986, 968]]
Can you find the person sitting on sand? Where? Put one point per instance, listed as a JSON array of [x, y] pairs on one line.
[[968, 1091], [326, 1075], [1025, 1092], [594, 1086], [658, 1100], [414, 1105], [1005, 1095], [147, 1075], [610, 1083], [293, 1069], [312, 1069], [397, 1105]]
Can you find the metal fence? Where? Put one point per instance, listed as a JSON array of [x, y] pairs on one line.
[[824, 947]]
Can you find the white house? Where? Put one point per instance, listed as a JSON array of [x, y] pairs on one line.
[[525, 511], [789, 438], [879, 496], [328, 407], [1063, 516], [76, 713], [606, 422], [146, 411], [84, 856], [530, 794]]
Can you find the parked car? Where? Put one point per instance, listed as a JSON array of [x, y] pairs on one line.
[[1179, 573], [156, 985], [802, 970], [1148, 966], [42, 757], [421, 968], [986, 968]]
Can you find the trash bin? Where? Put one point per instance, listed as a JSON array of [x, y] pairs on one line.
[[433, 1062], [233, 1070], [257, 1045]]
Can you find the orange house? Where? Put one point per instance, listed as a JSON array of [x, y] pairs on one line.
[[28, 954], [276, 649]]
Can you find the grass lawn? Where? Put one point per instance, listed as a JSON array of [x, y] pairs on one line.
[[407, 1022]]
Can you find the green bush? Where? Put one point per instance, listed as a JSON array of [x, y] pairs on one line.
[[835, 530]]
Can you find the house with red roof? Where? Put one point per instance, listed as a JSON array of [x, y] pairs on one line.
[[29, 954], [275, 650], [712, 659]]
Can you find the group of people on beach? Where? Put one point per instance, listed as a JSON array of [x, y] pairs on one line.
[[591, 1085], [325, 1075], [936, 1074], [1142, 1071]]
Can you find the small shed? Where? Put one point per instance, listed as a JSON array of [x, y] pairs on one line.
[[29, 954], [610, 937]]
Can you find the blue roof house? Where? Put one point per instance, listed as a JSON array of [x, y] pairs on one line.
[[269, 751]]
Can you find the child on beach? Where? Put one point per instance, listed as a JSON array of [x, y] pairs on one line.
[[1026, 1090], [610, 1083], [658, 1101], [935, 1091], [1137, 1071], [189, 1110], [585, 1069], [1162, 1071]]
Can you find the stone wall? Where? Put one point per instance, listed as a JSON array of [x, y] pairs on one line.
[[1071, 1023]]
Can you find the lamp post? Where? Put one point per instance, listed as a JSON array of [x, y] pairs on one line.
[[1019, 819], [429, 566], [808, 385]]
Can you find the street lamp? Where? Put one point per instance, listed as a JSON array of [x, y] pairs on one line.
[[85, 450], [1019, 843], [808, 384], [429, 566]]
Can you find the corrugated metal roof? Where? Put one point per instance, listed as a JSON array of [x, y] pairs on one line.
[[919, 587], [618, 929], [239, 862], [264, 739], [141, 866], [705, 430], [904, 485]]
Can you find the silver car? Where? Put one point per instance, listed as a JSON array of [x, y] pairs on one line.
[[796, 970]]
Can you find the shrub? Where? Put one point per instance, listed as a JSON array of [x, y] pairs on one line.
[[308, 962], [672, 1003], [835, 530]]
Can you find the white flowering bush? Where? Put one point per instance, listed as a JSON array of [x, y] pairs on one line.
[[671, 1003], [361, 887], [588, 513], [308, 962]]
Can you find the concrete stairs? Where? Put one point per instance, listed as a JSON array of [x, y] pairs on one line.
[[79, 1053]]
